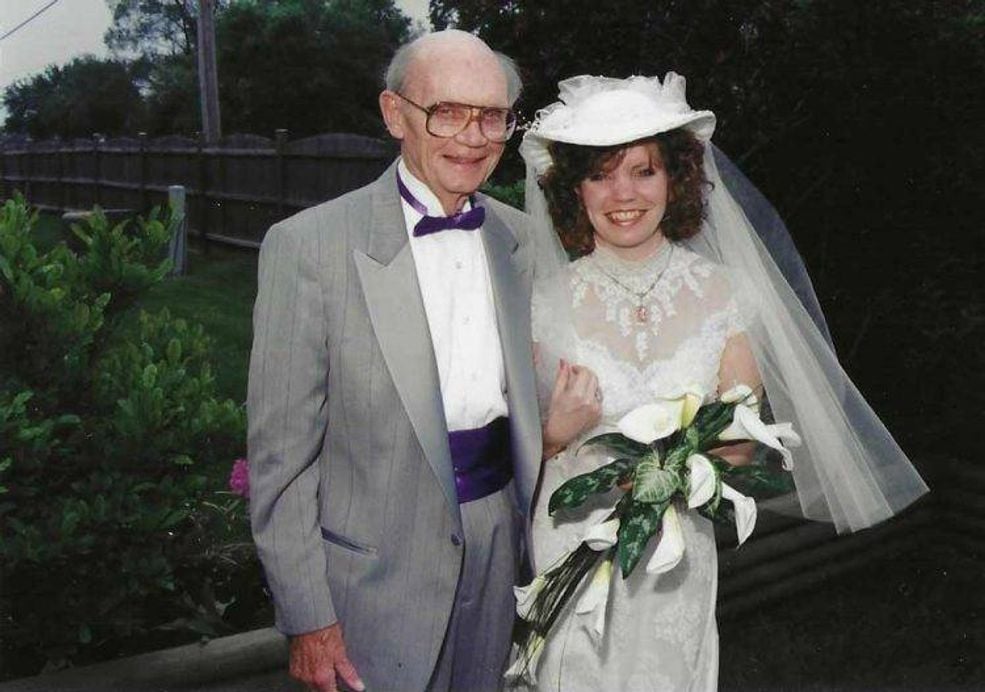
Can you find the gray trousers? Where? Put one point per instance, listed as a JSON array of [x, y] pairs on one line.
[[477, 643]]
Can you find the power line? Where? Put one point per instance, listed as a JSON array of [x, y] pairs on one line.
[[30, 19]]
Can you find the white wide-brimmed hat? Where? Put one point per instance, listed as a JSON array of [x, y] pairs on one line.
[[603, 111]]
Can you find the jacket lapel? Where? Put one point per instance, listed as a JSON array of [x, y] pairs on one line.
[[512, 303], [389, 282]]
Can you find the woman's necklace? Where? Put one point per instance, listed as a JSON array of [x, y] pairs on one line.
[[642, 314]]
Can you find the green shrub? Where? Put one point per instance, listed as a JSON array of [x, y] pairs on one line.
[[113, 444]]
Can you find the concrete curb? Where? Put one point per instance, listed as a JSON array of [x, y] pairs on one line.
[[193, 666]]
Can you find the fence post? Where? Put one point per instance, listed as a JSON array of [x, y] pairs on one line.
[[59, 197], [96, 168], [178, 249], [221, 186], [144, 202], [3, 169], [28, 167], [203, 198], [280, 139]]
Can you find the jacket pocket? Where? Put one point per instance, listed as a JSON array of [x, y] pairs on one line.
[[343, 542]]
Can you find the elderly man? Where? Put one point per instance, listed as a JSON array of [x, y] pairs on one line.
[[394, 437]]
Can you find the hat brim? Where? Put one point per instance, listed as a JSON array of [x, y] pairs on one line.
[[533, 148], [700, 123]]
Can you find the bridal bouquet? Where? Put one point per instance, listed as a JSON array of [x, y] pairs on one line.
[[663, 453]]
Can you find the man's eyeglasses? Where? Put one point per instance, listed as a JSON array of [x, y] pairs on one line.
[[447, 119]]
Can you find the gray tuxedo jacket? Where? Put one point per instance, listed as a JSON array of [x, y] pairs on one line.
[[353, 500]]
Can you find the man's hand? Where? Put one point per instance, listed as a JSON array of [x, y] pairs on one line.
[[316, 658], [576, 405]]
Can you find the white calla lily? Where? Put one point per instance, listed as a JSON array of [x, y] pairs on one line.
[[670, 549], [652, 422], [598, 627], [746, 425], [596, 597], [745, 511], [693, 398], [598, 588], [701, 480], [524, 668], [602, 536], [525, 595], [740, 393]]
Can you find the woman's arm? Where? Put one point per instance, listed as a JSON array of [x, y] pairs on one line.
[[738, 366]]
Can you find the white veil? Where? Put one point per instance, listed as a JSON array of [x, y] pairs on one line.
[[849, 470]]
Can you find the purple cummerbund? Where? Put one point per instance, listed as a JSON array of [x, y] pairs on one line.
[[482, 460]]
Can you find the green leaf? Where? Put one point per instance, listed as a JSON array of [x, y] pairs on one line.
[[638, 524], [85, 634], [174, 350], [652, 483], [149, 377], [173, 518], [576, 490], [759, 481], [710, 421], [620, 444], [6, 270]]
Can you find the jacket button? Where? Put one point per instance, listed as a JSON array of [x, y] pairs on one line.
[[456, 540]]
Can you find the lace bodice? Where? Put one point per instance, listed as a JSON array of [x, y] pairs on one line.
[[647, 329]]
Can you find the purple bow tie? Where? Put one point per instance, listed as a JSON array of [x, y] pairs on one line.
[[464, 220]]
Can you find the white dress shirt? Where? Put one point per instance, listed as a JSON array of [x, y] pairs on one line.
[[458, 300]]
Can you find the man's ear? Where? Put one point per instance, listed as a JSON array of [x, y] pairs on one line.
[[393, 117]]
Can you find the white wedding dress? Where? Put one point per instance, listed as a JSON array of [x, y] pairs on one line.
[[647, 329]]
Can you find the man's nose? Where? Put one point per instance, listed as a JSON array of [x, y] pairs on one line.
[[472, 134]]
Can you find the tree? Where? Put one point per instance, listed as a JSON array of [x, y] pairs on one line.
[[87, 95], [306, 65], [860, 121], [152, 27]]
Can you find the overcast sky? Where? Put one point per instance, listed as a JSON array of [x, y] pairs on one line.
[[71, 28]]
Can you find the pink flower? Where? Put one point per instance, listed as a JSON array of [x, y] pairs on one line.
[[239, 478]]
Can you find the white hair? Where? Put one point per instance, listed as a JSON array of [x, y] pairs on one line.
[[396, 71]]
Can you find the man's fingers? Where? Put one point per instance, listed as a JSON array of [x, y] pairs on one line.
[[348, 673], [316, 656], [324, 682]]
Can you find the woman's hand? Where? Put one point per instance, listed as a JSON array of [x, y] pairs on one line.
[[576, 405]]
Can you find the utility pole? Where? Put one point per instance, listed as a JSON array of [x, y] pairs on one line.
[[208, 81]]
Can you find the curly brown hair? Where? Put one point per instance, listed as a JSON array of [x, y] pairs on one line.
[[681, 154]]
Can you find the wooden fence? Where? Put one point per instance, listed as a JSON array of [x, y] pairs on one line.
[[236, 189]]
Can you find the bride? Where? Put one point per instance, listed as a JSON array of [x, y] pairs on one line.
[[670, 290]]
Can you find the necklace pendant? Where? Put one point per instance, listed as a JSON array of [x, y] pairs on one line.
[[641, 313]]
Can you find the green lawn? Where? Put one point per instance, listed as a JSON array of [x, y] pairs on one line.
[[218, 293]]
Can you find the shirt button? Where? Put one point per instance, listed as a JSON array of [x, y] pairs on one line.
[[456, 540], [458, 264], [467, 320]]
